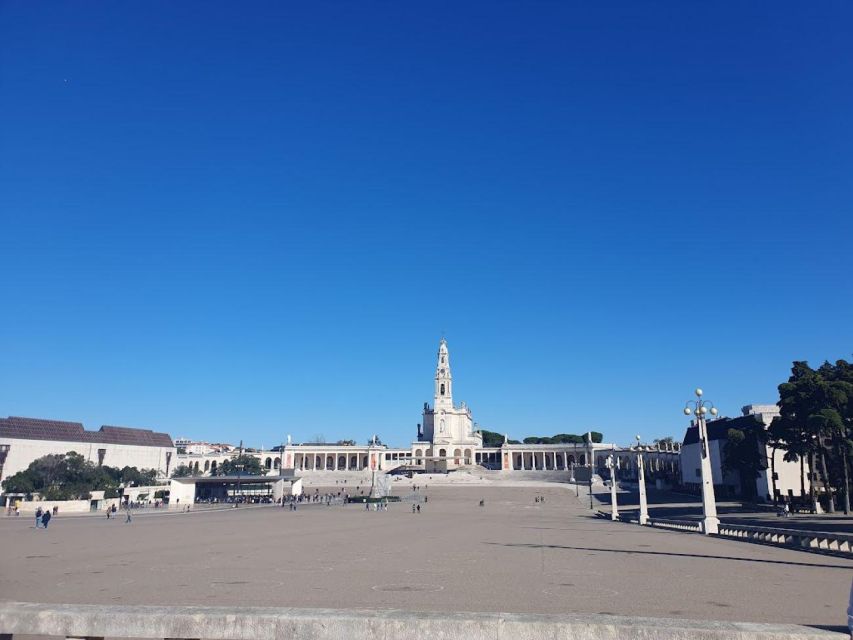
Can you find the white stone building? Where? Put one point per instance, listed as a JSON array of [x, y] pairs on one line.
[[23, 440], [447, 440], [790, 476]]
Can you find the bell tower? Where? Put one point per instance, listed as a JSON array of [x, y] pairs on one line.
[[443, 379]]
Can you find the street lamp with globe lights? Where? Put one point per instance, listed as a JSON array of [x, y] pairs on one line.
[[700, 408], [613, 464], [641, 482]]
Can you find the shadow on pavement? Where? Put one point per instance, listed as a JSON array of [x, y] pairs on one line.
[[666, 553]]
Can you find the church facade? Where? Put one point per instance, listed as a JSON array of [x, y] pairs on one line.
[[447, 440]]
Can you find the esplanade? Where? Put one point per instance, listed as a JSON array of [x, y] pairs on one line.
[[447, 440]]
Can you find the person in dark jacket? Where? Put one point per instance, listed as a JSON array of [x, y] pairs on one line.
[[45, 518]]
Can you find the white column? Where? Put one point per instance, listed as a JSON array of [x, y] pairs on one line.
[[614, 507], [336, 461], [710, 522], [644, 507]]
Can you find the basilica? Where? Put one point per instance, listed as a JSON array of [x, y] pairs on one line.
[[447, 440]]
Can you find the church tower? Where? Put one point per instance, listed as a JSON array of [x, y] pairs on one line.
[[443, 379]]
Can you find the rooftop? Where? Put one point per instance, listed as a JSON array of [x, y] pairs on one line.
[[39, 429]]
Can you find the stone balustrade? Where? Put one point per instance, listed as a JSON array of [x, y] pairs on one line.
[[838, 543], [266, 623], [681, 525], [808, 540]]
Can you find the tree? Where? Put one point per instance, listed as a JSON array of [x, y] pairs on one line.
[[70, 476], [742, 455], [492, 438], [563, 438], [816, 420], [183, 471], [244, 465], [668, 440]]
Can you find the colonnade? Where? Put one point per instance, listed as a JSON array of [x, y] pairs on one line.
[[546, 460], [324, 461]]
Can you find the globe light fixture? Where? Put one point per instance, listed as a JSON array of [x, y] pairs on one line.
[[699, 408]]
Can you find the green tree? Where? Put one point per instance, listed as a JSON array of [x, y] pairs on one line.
[[815, 423], [183, 471], [492, 438], [244, 465], [742, 455]]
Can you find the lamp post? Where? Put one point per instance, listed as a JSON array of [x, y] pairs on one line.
[[590, 461], [613, 464], [699, 407], [641, 481]]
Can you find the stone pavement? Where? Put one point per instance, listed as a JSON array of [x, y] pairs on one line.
[[513, 555]]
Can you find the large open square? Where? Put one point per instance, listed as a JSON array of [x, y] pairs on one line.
[[511, 555]]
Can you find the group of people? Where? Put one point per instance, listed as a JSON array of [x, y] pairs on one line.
[[538, 499], [43, 517]]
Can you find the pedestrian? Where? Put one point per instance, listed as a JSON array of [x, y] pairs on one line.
[[413, 508], [426, 499], [128, 518], [419, 508], [39, 513], [787, 509], [45, 518], [108, 513]]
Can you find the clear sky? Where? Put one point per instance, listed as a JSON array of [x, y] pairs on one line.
[[228, 220]]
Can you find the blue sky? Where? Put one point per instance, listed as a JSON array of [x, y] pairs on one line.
[[240, 221]]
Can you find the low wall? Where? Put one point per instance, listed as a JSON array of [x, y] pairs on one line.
[[64, 506], [267, 623]]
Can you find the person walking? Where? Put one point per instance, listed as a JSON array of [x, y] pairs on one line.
[[39, 513], [419, 508], [413, 508], [128, 518], [45, 518]]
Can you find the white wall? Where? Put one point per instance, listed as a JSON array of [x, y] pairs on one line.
[[23, 452]]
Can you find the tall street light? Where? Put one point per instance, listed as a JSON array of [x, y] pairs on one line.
[[613, 464], [641, 480], [590, 460], [699, 407]]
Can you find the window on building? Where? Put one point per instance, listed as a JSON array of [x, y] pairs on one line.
[[442, 389], [101, 455]]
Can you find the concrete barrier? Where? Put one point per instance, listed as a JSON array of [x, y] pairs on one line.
[[838, 543], [266, 623]]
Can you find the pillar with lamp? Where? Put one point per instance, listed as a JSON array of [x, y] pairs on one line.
[[641, 482], [699, 408], [612, 465]]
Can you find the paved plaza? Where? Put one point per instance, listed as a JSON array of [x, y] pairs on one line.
[[512, 555]]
